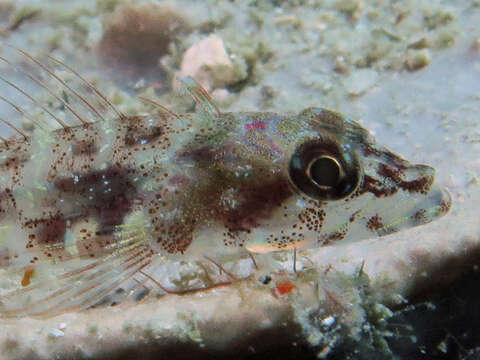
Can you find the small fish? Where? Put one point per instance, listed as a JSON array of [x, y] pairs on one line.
[[85, 207]]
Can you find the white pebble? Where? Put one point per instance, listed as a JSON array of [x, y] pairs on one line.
[[328, 321], [55, 333]]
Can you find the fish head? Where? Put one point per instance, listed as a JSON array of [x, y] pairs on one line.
[[313, 179]]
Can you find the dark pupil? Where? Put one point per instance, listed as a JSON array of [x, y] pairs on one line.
[[325, 171]]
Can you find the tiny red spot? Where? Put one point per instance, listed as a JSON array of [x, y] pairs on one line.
[[284, 287]]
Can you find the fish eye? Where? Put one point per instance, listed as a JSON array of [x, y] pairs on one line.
[[323, 171]]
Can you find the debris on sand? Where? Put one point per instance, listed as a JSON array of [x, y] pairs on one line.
[[137, 35]]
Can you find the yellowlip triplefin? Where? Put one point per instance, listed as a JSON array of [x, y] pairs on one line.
[[87, 206]]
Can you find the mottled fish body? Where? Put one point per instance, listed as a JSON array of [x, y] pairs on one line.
[[85, 207]]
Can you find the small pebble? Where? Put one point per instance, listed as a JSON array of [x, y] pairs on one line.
[[328, 321], [419, 44], [56, 333], [208, 62], [417, 59], [476, 44]]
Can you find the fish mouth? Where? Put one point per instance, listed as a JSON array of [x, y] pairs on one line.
[[442, 200], [416, 211], [406, 195], [437, 203]]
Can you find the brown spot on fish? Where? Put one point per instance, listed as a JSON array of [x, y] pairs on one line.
[[84, 147], [376, 187], [333, 237], [420, 217], [369, 150], [354, 216], [7, 202], [107, 194], [420, 185], [140, 133], [390, 173], [312, 218], [48, 231], [445, 206], [254, 199], [375, 223], [13, 161], [254, 204], [176, 236], [204, 155]]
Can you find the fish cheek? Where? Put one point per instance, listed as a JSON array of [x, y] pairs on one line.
[[254, 205]]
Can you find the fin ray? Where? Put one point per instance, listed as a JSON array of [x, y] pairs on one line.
[[159, 106], [54, 88], [50, 91], [59, 79], [33, 100], [89, 85], [21, 111], [201, 97], [85, 283]]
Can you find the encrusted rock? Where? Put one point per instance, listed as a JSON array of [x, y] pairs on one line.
[[208, 62]]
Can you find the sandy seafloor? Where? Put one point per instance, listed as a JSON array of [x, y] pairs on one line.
[[408, 71]]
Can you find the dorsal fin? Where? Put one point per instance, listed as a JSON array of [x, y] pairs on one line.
[[59, 79], [200, 96], [21, 111], [37, 87], [159, 106], [33, 100], [10, 125], [90, 86], [50, 91]]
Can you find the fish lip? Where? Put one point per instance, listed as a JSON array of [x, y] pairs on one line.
[[426, 170], [437, 202], [413, 212], [425, 209], [447, 200]]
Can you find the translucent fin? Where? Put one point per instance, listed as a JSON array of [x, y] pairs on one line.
[[22, 112], [10, 125], [42, 89], [86, 281], [158, 106], [90, 86], [201, 97], [49, 90], [33, 100]]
